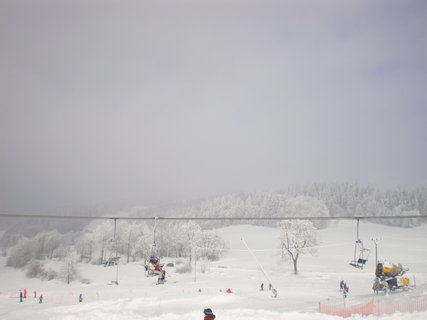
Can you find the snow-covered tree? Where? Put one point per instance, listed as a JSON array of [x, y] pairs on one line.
[[304, 206], [85, 246], [69, 268], [410, 222], [133, 240], [143, 242], [211, 245], [104, 238], [41, 247], [20, 254], [176, 240], [45, 243], [190, 235], [297, 237]]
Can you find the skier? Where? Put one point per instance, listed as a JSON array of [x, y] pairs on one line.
[[25, 293], [345, 291], [35, 294], [342, 285], [40, 299], [20, 296], [208, 314], [269, 286], [161, 278], [80, 298], [262, 286], [274, 293]]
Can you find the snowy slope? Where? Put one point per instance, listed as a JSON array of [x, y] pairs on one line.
[[137, 297]]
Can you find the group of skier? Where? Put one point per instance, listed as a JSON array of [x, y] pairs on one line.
[[269, 286], [23, 295]]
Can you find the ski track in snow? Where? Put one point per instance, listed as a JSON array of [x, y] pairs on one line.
[[137, 297]]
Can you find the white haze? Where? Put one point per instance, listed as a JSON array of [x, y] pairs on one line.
[[148, 101]]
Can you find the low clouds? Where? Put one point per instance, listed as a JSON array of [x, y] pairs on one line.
[[163, 100]]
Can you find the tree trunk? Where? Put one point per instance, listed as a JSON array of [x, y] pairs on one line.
[[128, 253], [90, 252], [295, 261], [128, 248]]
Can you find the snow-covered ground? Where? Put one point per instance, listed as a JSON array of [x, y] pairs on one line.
[[138, 297]]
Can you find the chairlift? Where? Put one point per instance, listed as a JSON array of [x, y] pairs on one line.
[[361, 254], [153, 247], [153, 259], [112, 261]]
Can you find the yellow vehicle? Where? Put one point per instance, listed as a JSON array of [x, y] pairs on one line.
[[389, 277], [392, 284], [387, 269]]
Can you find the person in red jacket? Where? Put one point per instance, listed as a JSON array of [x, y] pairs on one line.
[[208, 314], [345, 291]]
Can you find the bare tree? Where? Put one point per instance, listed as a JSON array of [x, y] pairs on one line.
[[297, 237], [85, 245], [134, 237], [212, 246], [191, 233], [69, 269], [103, 237]]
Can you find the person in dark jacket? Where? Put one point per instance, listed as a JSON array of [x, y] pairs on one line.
[[342, 285], [208, 314]]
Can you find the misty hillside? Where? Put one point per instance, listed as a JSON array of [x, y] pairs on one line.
[[337, 199]]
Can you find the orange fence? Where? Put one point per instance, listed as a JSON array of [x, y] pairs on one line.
[[373, 307]]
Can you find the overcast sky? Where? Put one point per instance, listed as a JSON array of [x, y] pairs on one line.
[[163, 100]]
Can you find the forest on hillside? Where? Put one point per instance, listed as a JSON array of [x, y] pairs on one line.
[[342, 199], [335, 200]]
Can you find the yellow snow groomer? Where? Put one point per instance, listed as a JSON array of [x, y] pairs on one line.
[[389, 270]]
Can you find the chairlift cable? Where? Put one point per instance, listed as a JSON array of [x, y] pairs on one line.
[[47, 216], [272, 250]]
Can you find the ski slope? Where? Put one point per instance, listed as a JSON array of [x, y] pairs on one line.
[[138, 297]]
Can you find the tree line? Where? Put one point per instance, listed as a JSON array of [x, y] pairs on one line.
[[330, 200], [131, 241]]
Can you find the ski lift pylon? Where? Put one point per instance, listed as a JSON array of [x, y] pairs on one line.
[[153, 247], [361, 254]]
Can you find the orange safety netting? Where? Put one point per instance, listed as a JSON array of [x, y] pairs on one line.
[[373, 307]]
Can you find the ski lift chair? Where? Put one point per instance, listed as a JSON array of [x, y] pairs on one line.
[[112, 261], [360, 259]]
